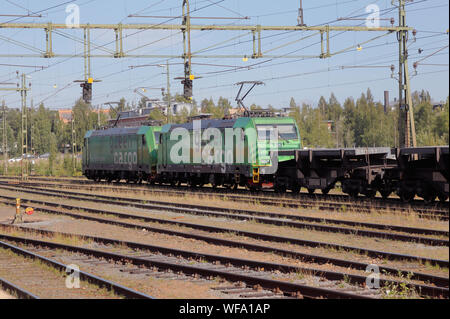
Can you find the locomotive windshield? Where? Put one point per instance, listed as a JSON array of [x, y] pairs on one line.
[[157, 137], [285, 132]]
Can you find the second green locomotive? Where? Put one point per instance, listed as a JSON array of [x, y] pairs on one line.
[[121, 153]]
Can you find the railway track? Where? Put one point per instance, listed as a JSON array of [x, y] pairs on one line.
[[180, 268], [15, 290], [61, 210], [424, 290], [303, 200], [440, 212], [320, 224], [119, 290]]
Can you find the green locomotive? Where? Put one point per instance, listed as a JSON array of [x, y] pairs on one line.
[[121, 153], [247, 151]]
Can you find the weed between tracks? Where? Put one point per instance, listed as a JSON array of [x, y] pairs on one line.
[[428, 265], [346, 279], [401, 290]]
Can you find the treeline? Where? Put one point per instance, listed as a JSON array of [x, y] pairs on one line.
[[354, 123], [364, 122], [358, 123], [46, 132]]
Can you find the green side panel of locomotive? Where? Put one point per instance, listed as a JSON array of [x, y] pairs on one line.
[[255, 153], [121, 149]]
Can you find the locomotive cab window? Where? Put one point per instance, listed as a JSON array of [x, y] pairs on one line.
[[143, 140], [158, 138], [285, 132]]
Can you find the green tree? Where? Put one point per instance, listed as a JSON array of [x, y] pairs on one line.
[[85, 120], [157, 115]]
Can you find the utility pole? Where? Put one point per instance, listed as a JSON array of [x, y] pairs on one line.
[[22, 88], [86, 84], [187, 56], [98, 116], [24, 163], [32, 145], [5, 139], [169, 103], [74, 143], [406, 114], [300, 19]]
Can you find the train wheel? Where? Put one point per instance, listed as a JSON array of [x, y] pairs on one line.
[[192, 184], [406, 196], [429, 198], [443, 198], [212, 180], [311, 190], [295, 189], [353, 194], [370, 193], [325, 191], [280, 189], [385, 194]]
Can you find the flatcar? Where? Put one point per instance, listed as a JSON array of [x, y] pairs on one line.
[[358, 170], [421, 171], [407, 172], [121, 153]]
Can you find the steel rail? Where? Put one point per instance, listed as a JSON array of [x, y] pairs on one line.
[[188, 269], [201, 210], [19, 292], [441, 281], [307, 200], [411, 230], [424, 290], [262, 195], [102, 283], [221, 191]]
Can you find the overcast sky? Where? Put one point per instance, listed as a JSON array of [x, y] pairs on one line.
[[304, 79]]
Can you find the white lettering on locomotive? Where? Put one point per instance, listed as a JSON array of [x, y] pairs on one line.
[[125, 158]]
